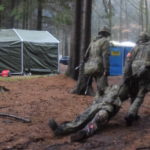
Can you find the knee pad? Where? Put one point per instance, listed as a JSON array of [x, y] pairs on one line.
[[102, 117]]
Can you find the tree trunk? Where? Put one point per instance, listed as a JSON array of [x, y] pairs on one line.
[[0, 15], [39, 15], [146, 16], [127, 20], [16, 21], [108, 11], [65, 43], [76, 41], [27, 14], [13, 4], [110, 15], [141, 22], [105, 6], [120, 30], [84, 84], [24, 14]]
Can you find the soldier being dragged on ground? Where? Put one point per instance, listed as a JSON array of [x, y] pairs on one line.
[[107, 105], [95, 117]]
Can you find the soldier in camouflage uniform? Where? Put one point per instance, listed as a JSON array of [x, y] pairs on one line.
[[137, 81], [97, 59], [95, 117], [137, 73]]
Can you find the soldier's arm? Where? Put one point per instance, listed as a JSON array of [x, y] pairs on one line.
[[145, 67], [127, 67], [105, 55], [128, 62]]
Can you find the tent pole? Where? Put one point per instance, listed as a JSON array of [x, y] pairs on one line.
[[58, 57]]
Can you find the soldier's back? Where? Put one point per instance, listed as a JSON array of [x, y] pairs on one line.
[[96, 47], [142, 57]]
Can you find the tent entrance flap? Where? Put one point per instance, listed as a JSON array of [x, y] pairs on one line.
[[39, 57]]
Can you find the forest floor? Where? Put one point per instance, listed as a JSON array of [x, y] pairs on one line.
[[44, 97]]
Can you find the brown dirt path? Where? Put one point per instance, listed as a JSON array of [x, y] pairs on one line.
[[45, 97]]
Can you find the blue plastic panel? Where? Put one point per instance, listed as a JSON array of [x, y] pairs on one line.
[[116, 60]]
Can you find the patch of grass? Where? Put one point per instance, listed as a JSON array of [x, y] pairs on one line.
[[17, 78]]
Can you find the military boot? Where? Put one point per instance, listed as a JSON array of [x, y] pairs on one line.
[[57, 129], [85, 133], [52, 124], [130, 118]]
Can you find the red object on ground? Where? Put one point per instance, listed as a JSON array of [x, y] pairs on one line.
[[5, 73]]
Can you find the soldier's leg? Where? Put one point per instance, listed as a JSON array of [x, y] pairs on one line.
[[123, 92], [99, 121], [134, 108], [77, 124], [129, 88], [102, 83], [134, 89]]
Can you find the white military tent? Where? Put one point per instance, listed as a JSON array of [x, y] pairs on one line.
[[24, 51]]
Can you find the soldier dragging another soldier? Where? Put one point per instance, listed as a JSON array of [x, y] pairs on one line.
[[96, 60], [137, 75], [137, 72]]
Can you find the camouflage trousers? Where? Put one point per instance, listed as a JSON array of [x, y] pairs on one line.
[[137, 102], [136, 90], [101, 119], [102, 83], [92, 114]]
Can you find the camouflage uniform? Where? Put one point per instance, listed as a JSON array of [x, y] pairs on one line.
[[97, 63], [96, 116], [137, 72]]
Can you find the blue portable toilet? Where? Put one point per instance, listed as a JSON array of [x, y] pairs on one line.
[[118, 52], [116, 60]]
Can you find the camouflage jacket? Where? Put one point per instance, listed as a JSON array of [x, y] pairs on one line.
[[139, 57], [98, 55], [110, 97]]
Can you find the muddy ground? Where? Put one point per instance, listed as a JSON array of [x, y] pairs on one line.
[[42, 98]]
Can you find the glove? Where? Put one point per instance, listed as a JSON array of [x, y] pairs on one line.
[[106, 72]]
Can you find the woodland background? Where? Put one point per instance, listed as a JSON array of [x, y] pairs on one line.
[[126, 18]]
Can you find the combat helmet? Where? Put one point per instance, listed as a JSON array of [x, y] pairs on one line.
[[105, 30], [143, 37]]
